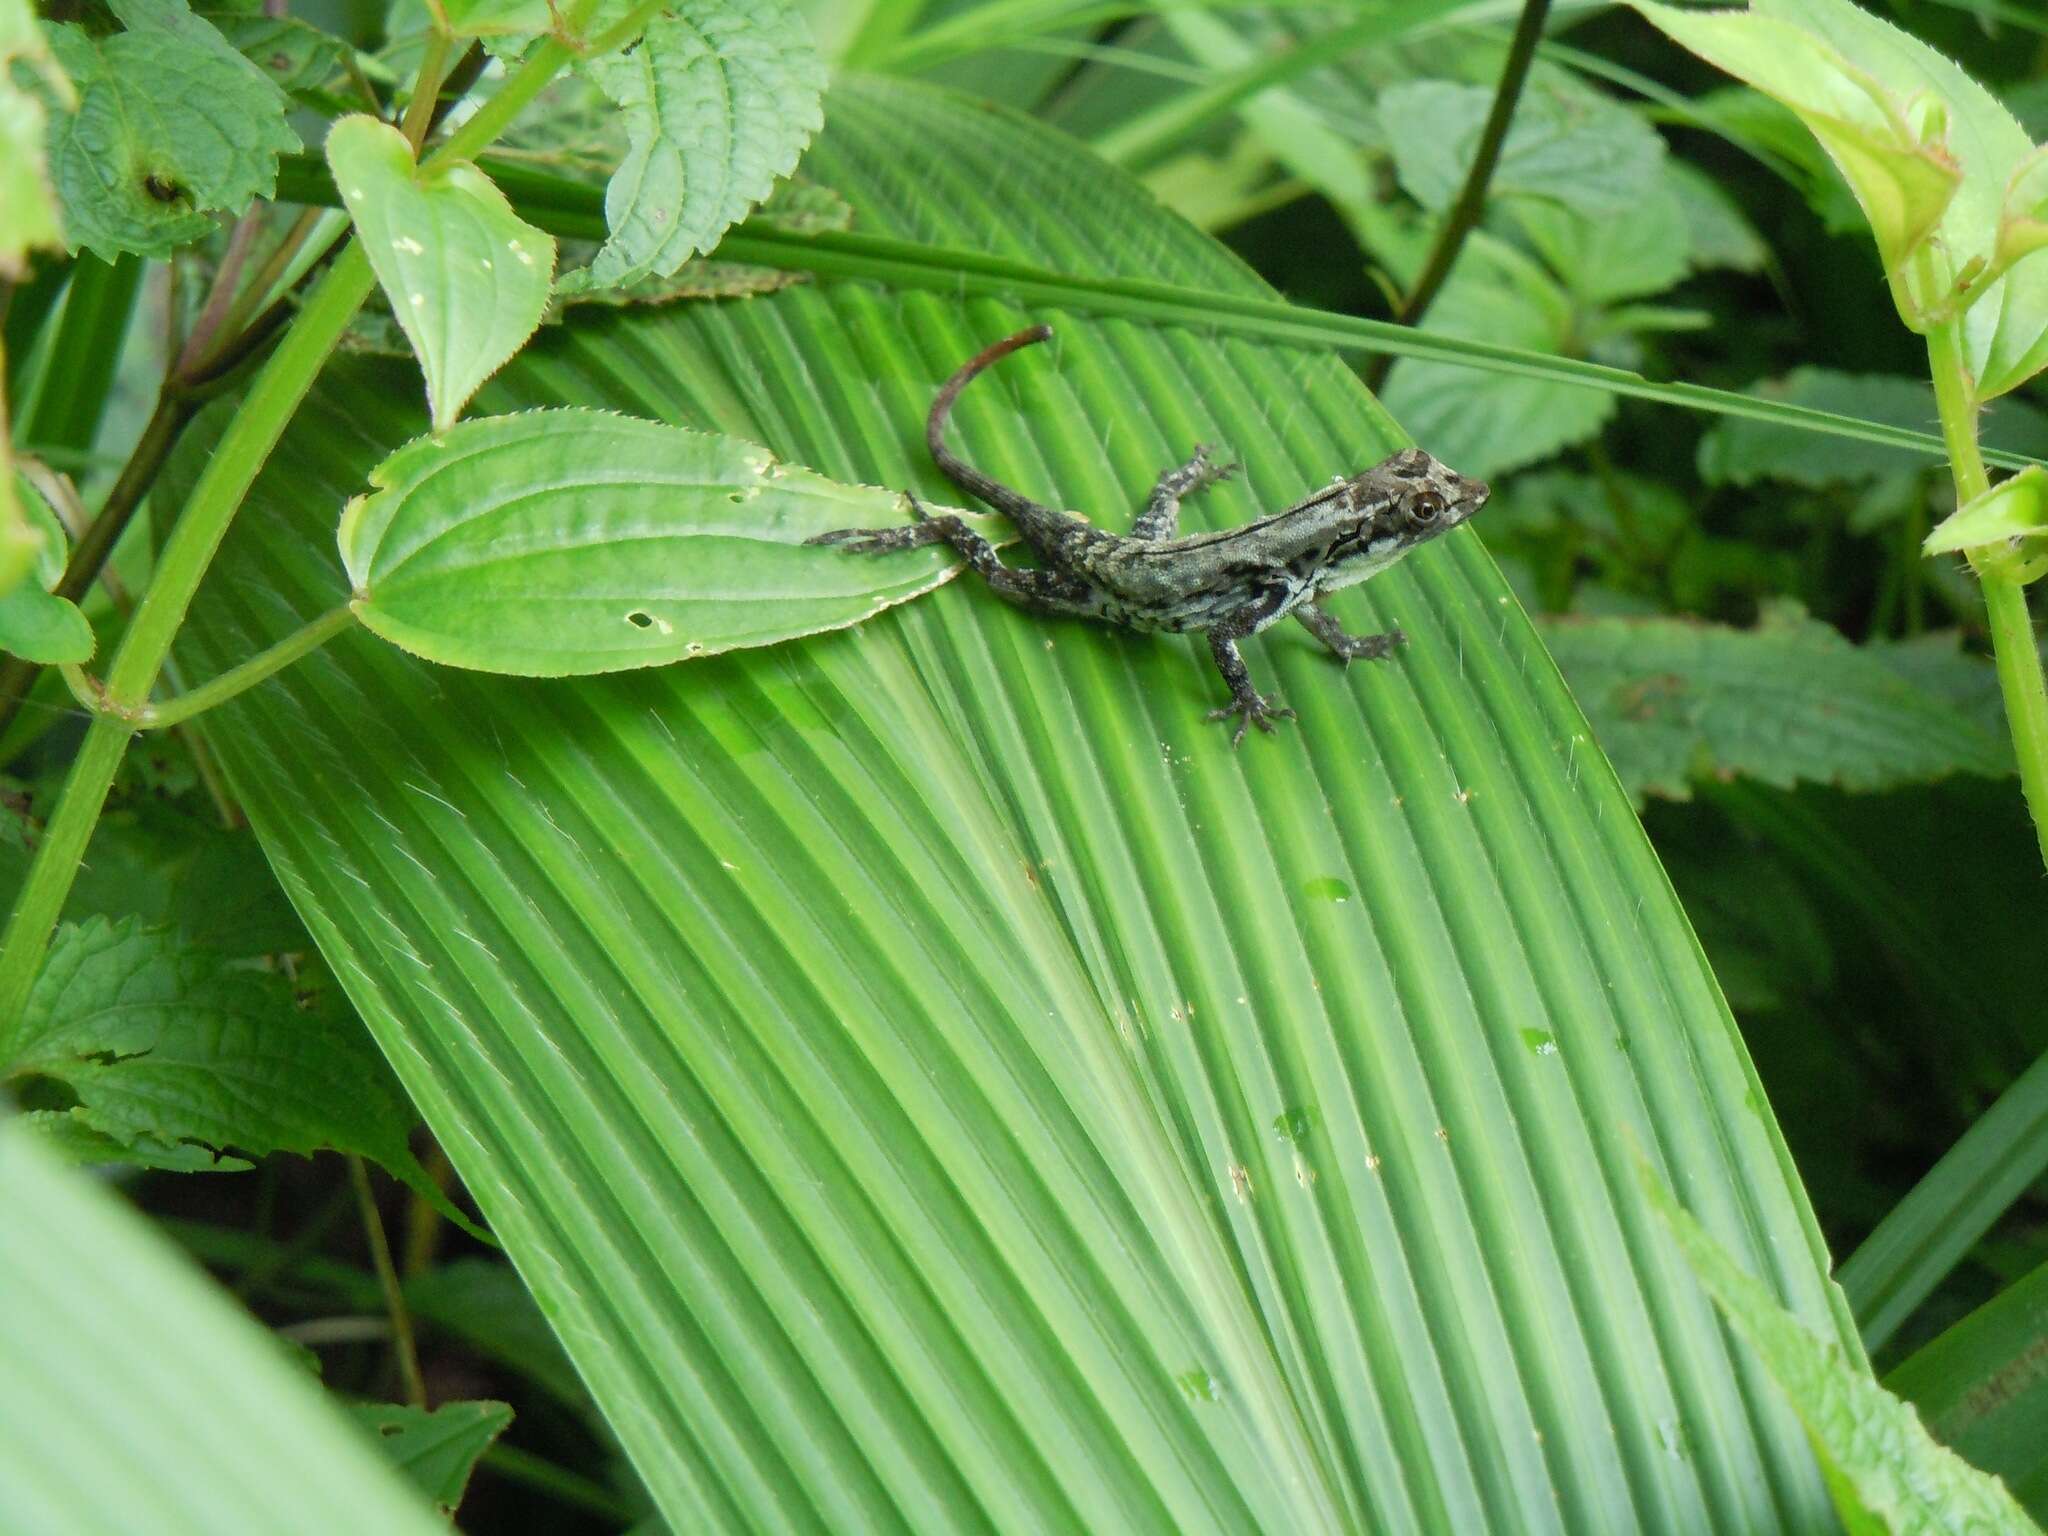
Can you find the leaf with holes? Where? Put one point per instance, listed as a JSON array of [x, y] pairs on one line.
[[172, 126], [719, 100], [466, 276], [575, 541]]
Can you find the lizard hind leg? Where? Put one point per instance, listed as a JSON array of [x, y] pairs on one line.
[[1161, 517]]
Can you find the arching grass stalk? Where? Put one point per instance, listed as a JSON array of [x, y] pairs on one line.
[[273, 398]]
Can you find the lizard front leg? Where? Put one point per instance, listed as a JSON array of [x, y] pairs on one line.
[[1347, 646], [1245, 700], [1161, 517]]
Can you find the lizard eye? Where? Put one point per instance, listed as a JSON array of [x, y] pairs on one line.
[[1425, 507]]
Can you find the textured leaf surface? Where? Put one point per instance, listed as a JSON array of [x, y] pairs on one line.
[[172, 126], [135, 1397], [719, 99], [1887, 1465], [437, 1451], [928, 1079], [28, 203], [1672, 700], [558, 542], [466, 277], [1734, 451], [1566, 146], [164, 1046]]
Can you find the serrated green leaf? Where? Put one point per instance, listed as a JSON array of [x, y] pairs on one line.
[[33, 623], [1887, 1468], [2015, 508], [875, 1049], [1602, 260], [1719, 232], [1567, 146], [172, 126], [295, 55], [1488, 423], [435, 1451], [163, 1045], [466, 277], [718, 102], [1981, 1387], [1673, 700], [135, 1396], [1736, 451], [565, 542]]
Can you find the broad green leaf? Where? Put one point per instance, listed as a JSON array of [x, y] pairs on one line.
[[172, 126], [467, 278], [1745, 452], [2015, 508], [159, 1046], [1982, 1390], [435, 1451], [135, 1396], [1673, 700], [28, 203], [1489, 423], [1719, 232], [1885, 1465], [563, 542], [1602, 260], [925, 1075], [2023, 220], [1567, 146], [719, 100]]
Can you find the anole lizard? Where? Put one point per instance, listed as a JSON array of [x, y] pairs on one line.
[[1228, 584]]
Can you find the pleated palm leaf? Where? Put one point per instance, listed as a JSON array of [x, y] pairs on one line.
[[929, 1080]]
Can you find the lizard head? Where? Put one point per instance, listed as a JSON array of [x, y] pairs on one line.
[[1363, 525]]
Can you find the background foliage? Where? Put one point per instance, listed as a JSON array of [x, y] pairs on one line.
[[920, 1076]]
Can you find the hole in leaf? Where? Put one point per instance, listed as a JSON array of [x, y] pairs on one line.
[[640, 620], [162, 188], [390, 1431]]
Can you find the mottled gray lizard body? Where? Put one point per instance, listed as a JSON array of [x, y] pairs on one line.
[[1227, 584]]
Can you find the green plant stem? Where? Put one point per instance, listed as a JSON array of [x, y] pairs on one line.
[[559, 1483], [248, 674], [426, 90], [402, 1342], [2005, 598], [272, 400], [1471, 199]]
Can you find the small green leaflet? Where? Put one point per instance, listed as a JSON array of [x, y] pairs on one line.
[[2016, 508], [574, 541], [719, 98], [437, 1451], [172, 126], [1885, 1471], [34, 623], [465, 275]]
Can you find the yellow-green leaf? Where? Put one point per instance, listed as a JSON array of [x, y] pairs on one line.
[[2015, 508]]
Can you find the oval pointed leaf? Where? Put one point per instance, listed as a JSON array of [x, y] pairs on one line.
[[467, 278], [576, 541]]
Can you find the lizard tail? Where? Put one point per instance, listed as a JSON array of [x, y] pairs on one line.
[[956, 468]]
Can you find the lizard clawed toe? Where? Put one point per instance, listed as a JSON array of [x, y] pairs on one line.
[[1255, 711]]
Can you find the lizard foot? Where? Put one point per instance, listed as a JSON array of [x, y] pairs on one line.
[[1255, 711], [879, 541], [1206, 472], [1368, 647]]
